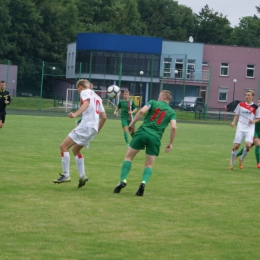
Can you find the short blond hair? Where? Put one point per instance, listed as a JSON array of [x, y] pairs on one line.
[[126, 92], [167, 94], [251, 91], [83, 83]]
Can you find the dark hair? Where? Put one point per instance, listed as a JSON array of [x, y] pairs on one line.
[[2, 81]]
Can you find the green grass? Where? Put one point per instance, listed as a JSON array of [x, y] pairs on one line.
[[192, 208]]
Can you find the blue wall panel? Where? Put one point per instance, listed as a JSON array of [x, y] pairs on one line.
[[119, 43]]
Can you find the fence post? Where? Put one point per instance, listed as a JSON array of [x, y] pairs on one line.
[[40, 101]]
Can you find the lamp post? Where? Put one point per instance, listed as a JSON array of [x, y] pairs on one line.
[[175, 72], [141, 87], [234, 80]]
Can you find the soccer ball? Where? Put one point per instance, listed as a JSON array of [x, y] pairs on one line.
[[113, 91]]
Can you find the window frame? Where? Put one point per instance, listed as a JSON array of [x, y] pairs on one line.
[[223, 90], [223, 67], [248, 69]]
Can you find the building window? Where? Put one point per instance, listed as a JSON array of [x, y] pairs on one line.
[[250, 71], [224, 69], [205, 63], [179, 67], [167, 67], [190, 69], [222, 94]]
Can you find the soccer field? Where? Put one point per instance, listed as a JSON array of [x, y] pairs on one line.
[[192, 208]]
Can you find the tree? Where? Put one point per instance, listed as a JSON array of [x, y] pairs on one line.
[[248, 32], [213, 27]]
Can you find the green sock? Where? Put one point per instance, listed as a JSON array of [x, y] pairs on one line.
[[240, 152], [126, 137], [125, 169], [257, 153], [147, 173]]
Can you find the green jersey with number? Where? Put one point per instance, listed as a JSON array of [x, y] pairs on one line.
[[126, 106], [158, 118]]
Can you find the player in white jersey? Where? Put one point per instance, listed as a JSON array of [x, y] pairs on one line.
[[91, 108], [247, 113]]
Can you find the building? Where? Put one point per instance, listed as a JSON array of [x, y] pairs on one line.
[[146, 65], [8, 73]]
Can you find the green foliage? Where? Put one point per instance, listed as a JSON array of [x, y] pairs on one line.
[[213, 27], [192, 208]]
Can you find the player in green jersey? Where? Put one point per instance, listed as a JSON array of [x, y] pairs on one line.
[[149, 134], [128, 108], [256, 143]]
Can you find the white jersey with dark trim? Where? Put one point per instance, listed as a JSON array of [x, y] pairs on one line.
[[90, 117], [246, 112]]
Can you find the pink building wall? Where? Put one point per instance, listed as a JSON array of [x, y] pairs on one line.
[[238, 58]]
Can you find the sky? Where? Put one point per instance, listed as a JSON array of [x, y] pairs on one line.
[[233, 9]]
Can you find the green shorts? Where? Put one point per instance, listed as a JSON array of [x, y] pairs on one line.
[[142, 140], [125, 122], [256, 135]]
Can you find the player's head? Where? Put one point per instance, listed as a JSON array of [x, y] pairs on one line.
[[165, 95], [2, 85], [126, 94], [82, 84], [249, 95]]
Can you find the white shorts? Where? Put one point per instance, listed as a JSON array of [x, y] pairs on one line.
[[248, 136], [82, 135]]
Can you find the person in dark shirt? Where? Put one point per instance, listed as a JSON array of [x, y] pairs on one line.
[[5, 99]]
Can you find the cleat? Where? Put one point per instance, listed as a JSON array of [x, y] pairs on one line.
[[118, 188], [258, 165], [230, 168], [140, 190], [62, 179], [241, 166], [82, 181]]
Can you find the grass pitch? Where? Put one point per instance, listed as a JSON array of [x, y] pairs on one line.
[[192, 208]]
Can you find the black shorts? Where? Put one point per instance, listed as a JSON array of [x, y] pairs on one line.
[[2, 116]]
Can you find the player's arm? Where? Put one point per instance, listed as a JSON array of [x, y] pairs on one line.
[[103, 118], [83, 107], [172, 135], [254, 121], [116, 110], [234, 120], [139, 115], [9, 99], [134, 111]]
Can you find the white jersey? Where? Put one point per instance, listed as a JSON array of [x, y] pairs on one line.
[[90, 117], [246, 112]]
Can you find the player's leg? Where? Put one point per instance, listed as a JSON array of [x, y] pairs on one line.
[[152, 150], [249, 141], [2, 120], [125, 168], [257, 151], [83, 138], [79, 159], [238, 139], [124, 124], [65, 160]]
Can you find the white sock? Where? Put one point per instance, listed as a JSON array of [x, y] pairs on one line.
[[244, 154], [65, 161], [80, 164], [233, 156]]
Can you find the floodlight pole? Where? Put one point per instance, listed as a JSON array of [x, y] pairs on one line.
[[234, 80], [40, 102], [175, 75], [141, 87]]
